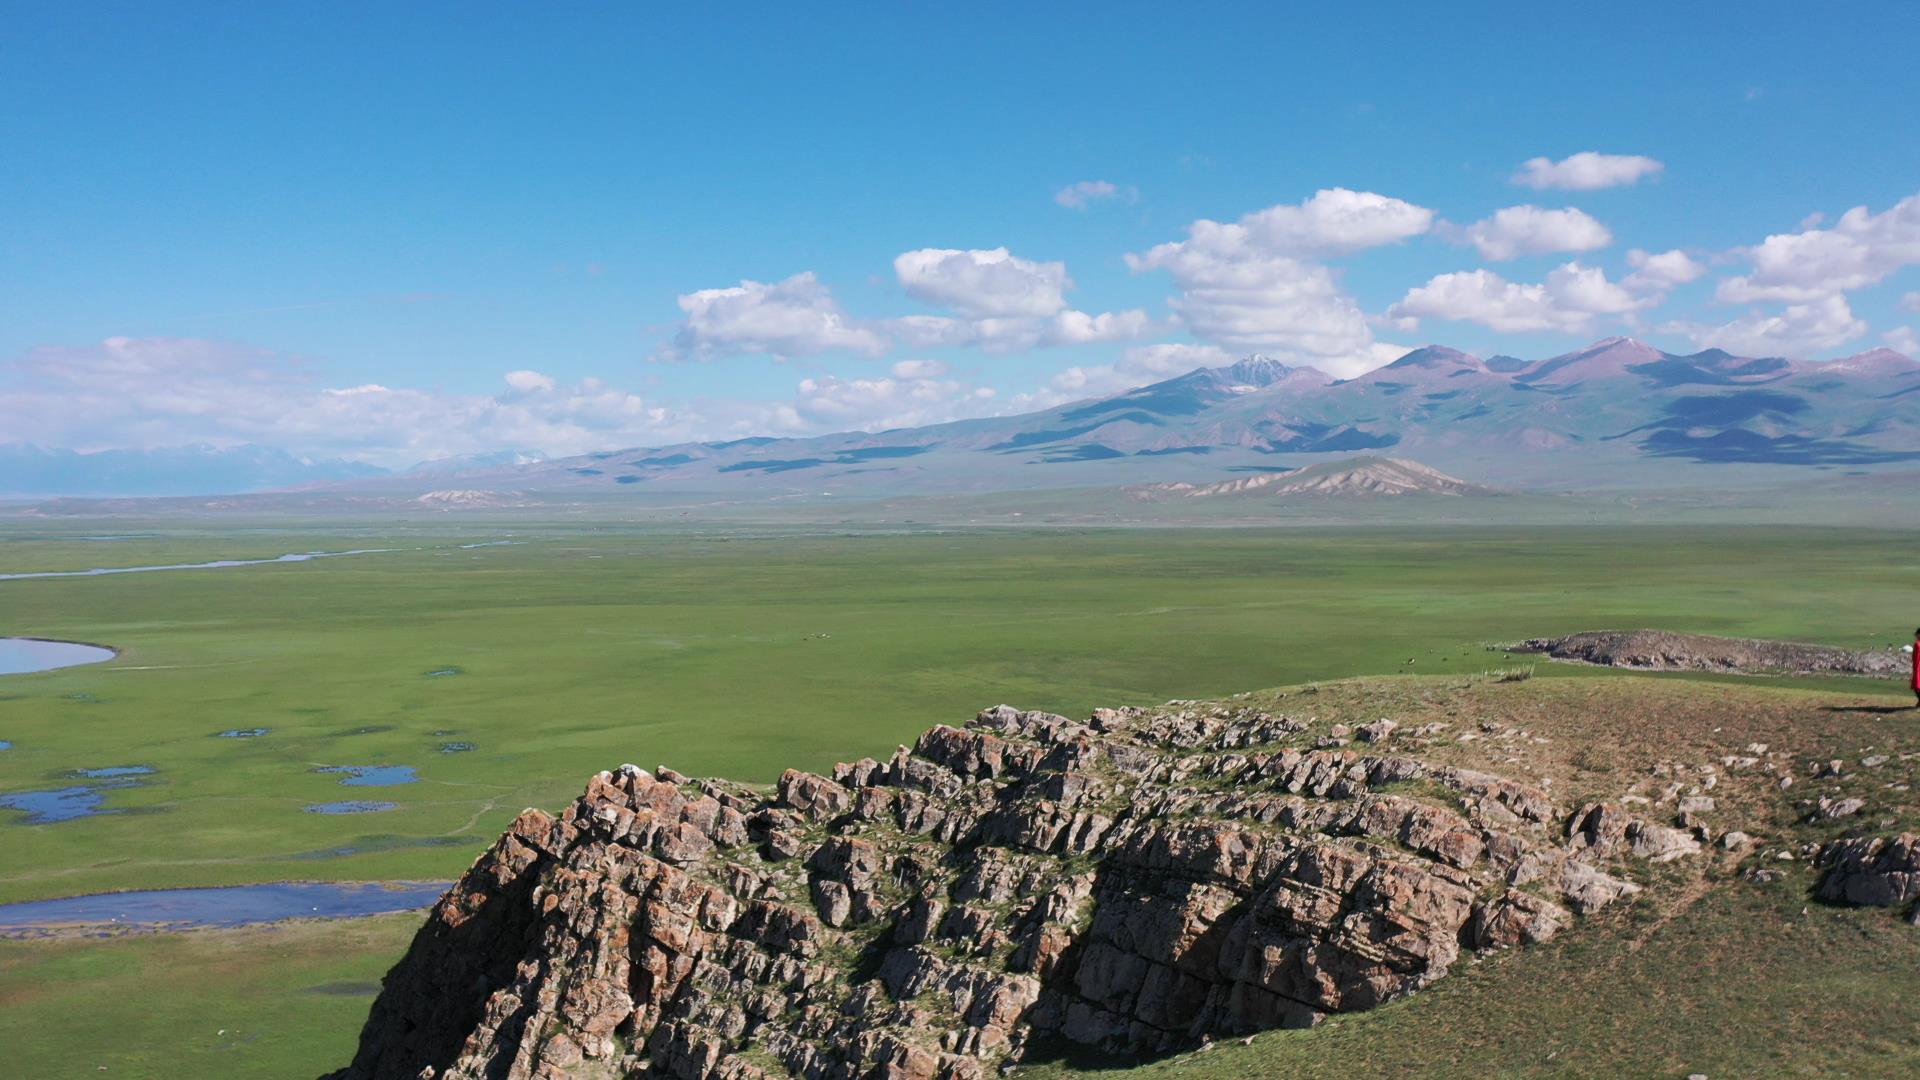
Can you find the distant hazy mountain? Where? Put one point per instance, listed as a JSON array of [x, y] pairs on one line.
[[1617, 413], [469, 462], [177, 470]]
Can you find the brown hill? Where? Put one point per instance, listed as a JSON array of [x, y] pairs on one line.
[[1352, 477]]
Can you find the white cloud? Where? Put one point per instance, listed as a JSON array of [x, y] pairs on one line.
[[1531, 230], [1274, 303], [1903, 339], [919, 369], [1079, 196], [1911, 301], [525, 381], [1080, 328], [1860, 249], [1136, 367], [152, 392], [1335, 221], [984, 283], [1005, 303], [794, 317], [1586, 171], [834, 403], [1171, 358], [1569, 300], [1799, 330], [1251, 285], [1658, 273], [1012, 335], [146, 392]]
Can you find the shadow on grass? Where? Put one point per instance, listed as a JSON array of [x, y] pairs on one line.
[[1882, 710]]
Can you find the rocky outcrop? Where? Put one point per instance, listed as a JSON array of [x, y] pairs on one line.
[[1877, 871], [1135, 882], [1362, 477], [1659, 650]]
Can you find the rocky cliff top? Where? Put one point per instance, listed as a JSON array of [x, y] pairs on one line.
[[1138, 881]]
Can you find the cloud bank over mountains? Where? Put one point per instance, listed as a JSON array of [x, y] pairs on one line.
[[1273, 280]]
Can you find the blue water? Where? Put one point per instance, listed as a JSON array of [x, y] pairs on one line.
[[5, 745], [450, 747], [21, 655], [99, 571], [372, 775], [351, 806], [238, 905], [112, 771], [61, 804], [244, 733]]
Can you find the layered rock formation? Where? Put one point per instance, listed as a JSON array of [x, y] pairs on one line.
[[1661, 650], [1878, 871], [1137, 882]]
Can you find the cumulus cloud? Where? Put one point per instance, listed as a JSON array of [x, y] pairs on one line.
[[1012, 335], [794, 317], [1081, 195], [529, 382], [1569, 300], [1334, 221], [983, 284], [1660, 272], [144, 392], [1911, 301], [1861, 249], [908, 397], [1004, 303], [1903, 339], [1254, 284], [1798, 330], [1136, 367], [1586, 171], [151, 392], [1531, 230]]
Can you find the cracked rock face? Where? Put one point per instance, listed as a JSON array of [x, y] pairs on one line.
[[1135, 882], [1878, 871]]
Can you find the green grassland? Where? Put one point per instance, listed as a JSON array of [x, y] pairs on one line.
[[737, 652]]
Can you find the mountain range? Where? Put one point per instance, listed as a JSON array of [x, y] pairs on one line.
[[1617, 414]]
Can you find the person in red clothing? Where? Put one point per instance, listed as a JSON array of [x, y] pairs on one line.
[[1913, 651]]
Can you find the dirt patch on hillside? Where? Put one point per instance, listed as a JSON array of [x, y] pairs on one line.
[[1659, 650]]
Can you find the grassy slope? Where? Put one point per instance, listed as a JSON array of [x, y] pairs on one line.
[[276, 1001], [1716, 975], [1739, 984], [704, 653], [1732, 979]]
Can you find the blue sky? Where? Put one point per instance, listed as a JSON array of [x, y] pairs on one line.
[[211, 218]]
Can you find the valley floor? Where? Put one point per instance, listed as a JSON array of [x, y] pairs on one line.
[[739, 653]]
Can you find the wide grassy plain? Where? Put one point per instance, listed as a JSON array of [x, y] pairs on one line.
[[735, 651]]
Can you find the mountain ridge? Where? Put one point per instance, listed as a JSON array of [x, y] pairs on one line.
[[1616, 413]]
